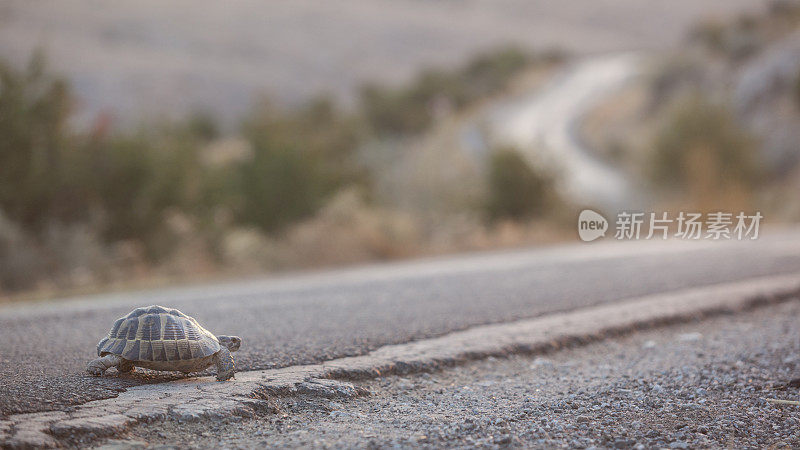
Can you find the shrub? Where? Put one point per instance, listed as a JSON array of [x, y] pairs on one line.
[[516, 189], [34, 108], [408, 110], [491, 72], [278, 186], [49, 174], [701, 147], [797, 89], [394, 112], [299, 159], [137, 178]]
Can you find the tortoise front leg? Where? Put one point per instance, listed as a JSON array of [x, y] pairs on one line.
[[97, 367], [225, 365]]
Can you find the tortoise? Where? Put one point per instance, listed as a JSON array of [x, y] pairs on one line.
[[159, 338]]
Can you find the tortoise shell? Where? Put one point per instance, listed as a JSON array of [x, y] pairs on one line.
[[156, 333]]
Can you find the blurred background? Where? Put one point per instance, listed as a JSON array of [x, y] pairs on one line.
[[145, 142]]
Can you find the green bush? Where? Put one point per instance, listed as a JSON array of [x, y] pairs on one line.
[[124, 185], [138, 178], [34, 143], [701, 142], [51, 174], [797, 90], [279, 186], [517, 190], [394, 112], [299, 159], [408, 110], [491, 72]]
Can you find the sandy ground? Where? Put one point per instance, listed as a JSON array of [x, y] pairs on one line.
[[136, 58], [706, 384]]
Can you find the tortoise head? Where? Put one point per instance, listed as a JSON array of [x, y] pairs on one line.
[[231, 342]]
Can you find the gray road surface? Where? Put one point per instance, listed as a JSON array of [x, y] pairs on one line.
[[314, 317]]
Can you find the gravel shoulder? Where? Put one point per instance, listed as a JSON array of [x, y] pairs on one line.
[[704, 384]]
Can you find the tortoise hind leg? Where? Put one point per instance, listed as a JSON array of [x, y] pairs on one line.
[[97, 367], [125, 366], [225, 365]]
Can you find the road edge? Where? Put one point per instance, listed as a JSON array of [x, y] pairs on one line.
[[194, 399]]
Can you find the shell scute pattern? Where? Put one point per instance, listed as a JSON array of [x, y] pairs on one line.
[[173, 328], [155, 333]]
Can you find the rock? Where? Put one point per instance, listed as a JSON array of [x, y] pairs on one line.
[[122, 444], [403, 383], [541, 363], [690, 337], [30, 438], [503, 440], [328, 388], [96, 426], [623, 443]]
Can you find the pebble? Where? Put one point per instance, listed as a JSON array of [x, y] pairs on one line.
[[690, 337]]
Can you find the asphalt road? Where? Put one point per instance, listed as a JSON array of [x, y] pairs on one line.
[[313, 317]]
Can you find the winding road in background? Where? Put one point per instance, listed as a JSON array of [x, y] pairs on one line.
[[313, 317], [543, 126]]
